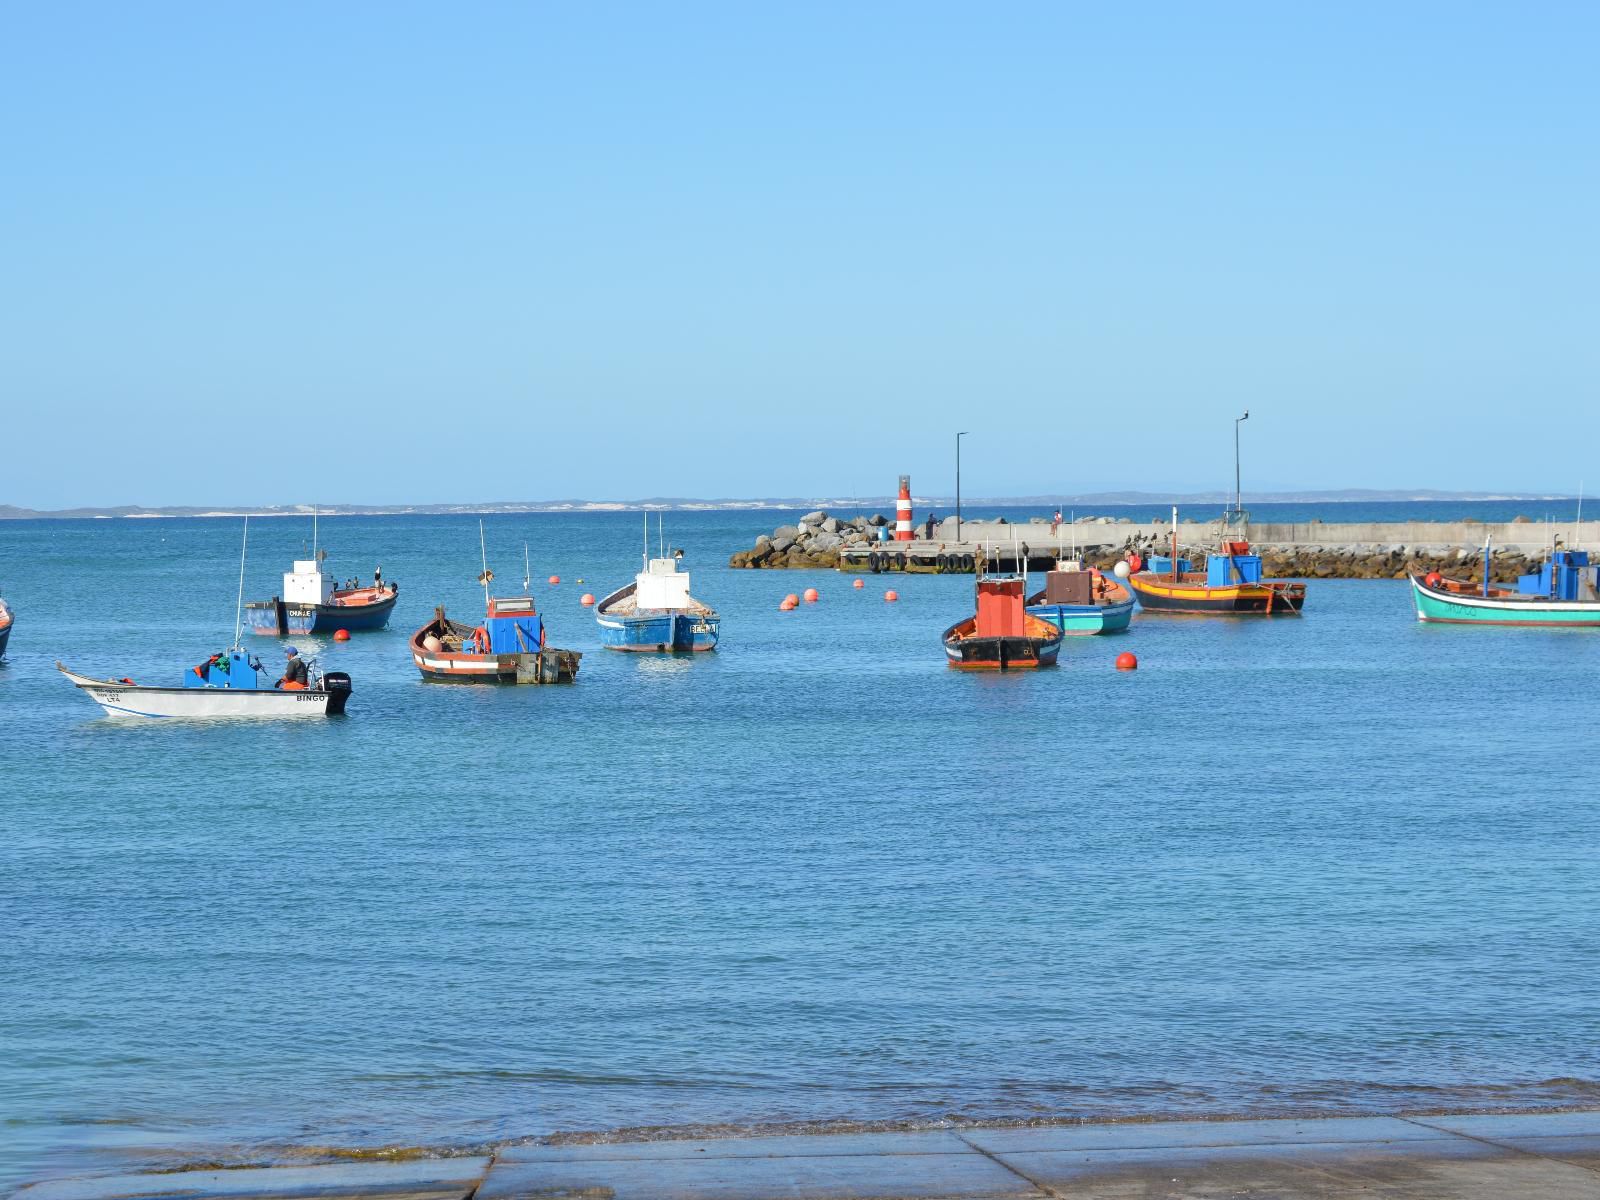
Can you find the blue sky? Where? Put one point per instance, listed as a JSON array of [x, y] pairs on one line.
[[364, 252]]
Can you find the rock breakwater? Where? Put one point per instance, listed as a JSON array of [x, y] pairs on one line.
[[814, 542]]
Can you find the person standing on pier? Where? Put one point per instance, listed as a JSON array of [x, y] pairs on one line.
[[927, 529], [1055, 523]]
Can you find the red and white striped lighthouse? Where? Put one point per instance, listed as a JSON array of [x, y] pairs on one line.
[[902, 511]]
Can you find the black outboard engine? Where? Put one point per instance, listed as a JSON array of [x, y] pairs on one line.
[[337, 685]]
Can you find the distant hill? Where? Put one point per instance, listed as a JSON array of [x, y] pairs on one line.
[[687, 504]]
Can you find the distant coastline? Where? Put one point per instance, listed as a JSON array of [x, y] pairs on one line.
[[781, 503]]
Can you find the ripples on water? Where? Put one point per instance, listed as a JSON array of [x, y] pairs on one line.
[[1339, 864]]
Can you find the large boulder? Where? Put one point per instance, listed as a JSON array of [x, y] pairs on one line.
[[822, 542], [781, 543], [831, 525], [785, 531], [877, 519], [814, 518]]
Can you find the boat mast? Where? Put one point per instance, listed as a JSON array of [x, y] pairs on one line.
[[527, 571], [1488, 540], [1174, 543], [485, 577], [646, 555], [238, 609], [1238, 502]]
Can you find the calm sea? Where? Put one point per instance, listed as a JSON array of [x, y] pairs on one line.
[[1343, 864]]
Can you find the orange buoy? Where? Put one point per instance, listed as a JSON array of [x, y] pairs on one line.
[[791, 600], [1127, 662], [812, 595], [891, 596], [341, 635], [1433, 579], [587, 600], [554, 579], [859, 584], [787, 604]]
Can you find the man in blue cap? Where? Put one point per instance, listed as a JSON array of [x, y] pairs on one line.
[[295, 677]]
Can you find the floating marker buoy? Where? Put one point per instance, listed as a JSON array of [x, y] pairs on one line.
[[858, 584], [1122, 570], [812, 595], [341, 635], [432, 644], [787, 604], [554, 579], [791, 600], [1127, 662], [588, 599], [891, 596], [1433, 579]]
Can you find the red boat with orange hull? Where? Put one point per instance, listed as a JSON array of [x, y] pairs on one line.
[[1001, 636]]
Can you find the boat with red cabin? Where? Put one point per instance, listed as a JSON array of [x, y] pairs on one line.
[[1001, 635]]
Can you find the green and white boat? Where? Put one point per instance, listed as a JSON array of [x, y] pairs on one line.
[[1565, 592]]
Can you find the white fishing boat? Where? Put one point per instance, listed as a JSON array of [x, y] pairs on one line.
[[230, 684]]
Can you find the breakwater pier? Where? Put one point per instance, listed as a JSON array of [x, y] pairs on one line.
[[1314, 550]]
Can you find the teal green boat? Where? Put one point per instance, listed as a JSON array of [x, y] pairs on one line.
[[1082, 602], [1562, 593]]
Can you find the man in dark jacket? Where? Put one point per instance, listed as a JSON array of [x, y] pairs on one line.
[[295, 676]]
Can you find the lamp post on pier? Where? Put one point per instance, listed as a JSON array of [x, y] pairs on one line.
[[959, 436]]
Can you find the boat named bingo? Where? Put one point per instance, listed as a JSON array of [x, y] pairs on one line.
[[230, 684]]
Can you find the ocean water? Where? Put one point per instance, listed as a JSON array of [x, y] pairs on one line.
[[1344, 863]]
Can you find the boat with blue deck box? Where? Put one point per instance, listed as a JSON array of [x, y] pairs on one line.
[[509, 647], [1564, 592], [655, 614], [1231, 584], [7, 620]]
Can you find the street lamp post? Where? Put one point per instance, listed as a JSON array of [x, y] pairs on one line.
[[1237, 503], [959, 436]]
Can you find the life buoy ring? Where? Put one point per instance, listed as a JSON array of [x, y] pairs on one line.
[[480, 640]]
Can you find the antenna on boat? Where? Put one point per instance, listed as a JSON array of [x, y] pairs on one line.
[[313, 533], [484, 554], [527, 571], [1238, 501], [1577, 527], [238, 610], [661, 535], [646, 555]]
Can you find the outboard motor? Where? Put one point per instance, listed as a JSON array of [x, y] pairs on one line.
[[337, 685]]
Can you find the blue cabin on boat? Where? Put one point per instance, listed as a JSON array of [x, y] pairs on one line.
[[514, 626], [1224, 570], [231, 669], [1161, 564], [1562, 578]]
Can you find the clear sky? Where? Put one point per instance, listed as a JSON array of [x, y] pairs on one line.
[[387, 252]]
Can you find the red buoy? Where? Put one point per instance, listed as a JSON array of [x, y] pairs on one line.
[[891, 596], [788, 604], [1127, 662], [859, 584], [587, 600], [1433, 579], [554, 579], [791, 600], [341, 635], [812, 595]]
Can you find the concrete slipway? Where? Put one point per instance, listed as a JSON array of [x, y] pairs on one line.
[[1551, 1156]]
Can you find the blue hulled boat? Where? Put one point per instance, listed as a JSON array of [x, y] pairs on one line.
[[7, 620], [311, 603], [655, 614]]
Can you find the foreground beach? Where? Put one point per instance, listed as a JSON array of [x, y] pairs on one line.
[[1555, 1156]]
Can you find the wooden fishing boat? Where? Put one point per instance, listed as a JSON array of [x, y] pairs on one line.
[[7, 620], [1001, 635], [1231, 584], [509, 647], [1082, 602], [1563, 593]]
